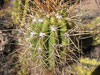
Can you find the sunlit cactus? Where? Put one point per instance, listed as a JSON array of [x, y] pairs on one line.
[[94, 26], [86, 66], [51, 36]]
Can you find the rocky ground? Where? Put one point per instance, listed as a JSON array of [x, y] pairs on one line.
[[8, 45], [87, 11]]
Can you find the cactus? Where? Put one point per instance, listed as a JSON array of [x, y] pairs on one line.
[[86, 66], [49, 37], [50, 33], [94, 26]]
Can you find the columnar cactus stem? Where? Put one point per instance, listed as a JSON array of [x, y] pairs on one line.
[[48, 33], [52, 42]]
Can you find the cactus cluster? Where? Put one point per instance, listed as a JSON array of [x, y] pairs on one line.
[[49, 33], [50, 39], [54, 40]]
